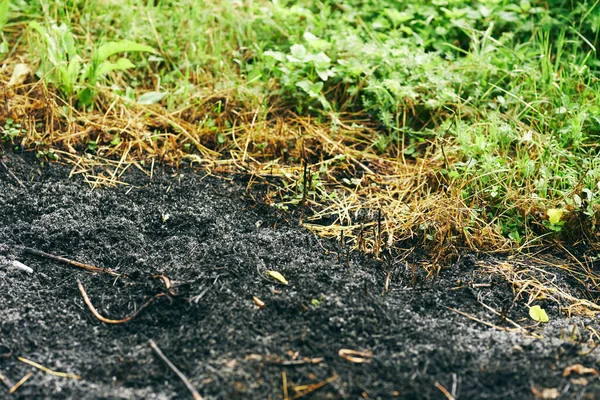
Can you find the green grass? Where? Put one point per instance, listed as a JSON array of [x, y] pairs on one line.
[[499, 99]]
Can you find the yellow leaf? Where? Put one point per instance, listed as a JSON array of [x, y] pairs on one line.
[[554, 215], [538, 314], [277, 276]]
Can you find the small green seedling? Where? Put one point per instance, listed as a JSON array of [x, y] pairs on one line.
[[538, 314]]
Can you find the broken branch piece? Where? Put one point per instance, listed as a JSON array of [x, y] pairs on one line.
[[181, 376]]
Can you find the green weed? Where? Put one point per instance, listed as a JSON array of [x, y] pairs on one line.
[[496, 99], [62, 65]]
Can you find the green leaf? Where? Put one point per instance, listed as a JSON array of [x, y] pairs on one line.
[[525, 5], [107, 66], [453, 174], [516, 236], [298, 53], [278, 276], [92, 145], [538, 314], [151, 97], [85, 97], [37, 27], [3, 13], [554, 215], [279, 56], [116, 141], [310, 88], [110, 48], [325, 74]]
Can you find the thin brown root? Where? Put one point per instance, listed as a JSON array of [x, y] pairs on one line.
[[183, 378], [167, 283], [48, 370], [87, 301], [71, 262], [444, 390]]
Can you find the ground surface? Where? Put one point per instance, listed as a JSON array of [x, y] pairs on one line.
[[217, 245]]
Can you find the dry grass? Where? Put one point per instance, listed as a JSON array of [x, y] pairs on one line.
[[573, 286], [374, 201]]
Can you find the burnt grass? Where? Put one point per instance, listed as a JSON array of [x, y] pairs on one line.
[[215, 244]]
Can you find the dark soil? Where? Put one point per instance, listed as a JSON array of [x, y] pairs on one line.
[[216, 246]]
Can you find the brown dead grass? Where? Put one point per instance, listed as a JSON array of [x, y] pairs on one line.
[[373, 202]]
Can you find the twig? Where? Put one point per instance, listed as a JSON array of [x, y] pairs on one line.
[[6, 381], [12, 175], [513, 323], [183, 378], [71, 262], [387, 281], [299, 362], [48, 370], [306, 389], [87, 301], [444, 390], [284, 385], [480, 320], [18, 384], [501, 328]]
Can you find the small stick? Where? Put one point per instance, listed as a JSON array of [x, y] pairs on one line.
[[22, 381], [360, 238], [513, 323], [444, 390], [284, 384], [48, 370], [304, 183], [298, 362], [387, 281], [306, 389], [183, 378], [71, 262], [87, 301], [378, 239], [12, 175], [6, 381], [501, 328]]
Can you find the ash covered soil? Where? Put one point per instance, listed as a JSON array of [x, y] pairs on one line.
[[216, 246]]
